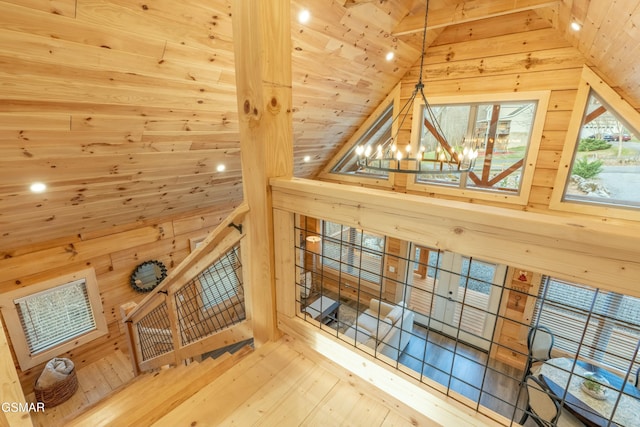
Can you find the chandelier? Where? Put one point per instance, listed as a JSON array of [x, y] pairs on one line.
[[389, 156]]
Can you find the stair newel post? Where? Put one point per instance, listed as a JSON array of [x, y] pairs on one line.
[[129, 333]]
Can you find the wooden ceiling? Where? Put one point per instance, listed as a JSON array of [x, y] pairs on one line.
[[125, 108]]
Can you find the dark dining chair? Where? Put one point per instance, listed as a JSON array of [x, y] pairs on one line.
[[544, 408], [539, 344], [638, 379]]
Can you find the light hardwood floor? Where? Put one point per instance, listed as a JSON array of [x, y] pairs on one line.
[[291, 385], [282, 383], [460, 368], [95, 381]]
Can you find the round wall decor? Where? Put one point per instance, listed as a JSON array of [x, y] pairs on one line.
[[148, 275]]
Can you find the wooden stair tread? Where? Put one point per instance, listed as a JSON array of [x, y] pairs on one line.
[[137, 402], [221, 397]]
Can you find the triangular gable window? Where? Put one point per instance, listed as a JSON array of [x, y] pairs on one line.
[[378, 134], [375, 131], [602, 166]]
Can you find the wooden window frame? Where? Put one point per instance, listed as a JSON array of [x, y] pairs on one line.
[[349, 147], [588, 82], [519, 198], [17, 334]]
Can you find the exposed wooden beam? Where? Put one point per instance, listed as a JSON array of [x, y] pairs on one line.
[[564, 247], [467, 11], [262, 45]]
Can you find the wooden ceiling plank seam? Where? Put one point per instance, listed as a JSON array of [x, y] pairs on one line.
[[43, 121], [9, 105], [111, 79], [88, 59], [124, 18], [138, 164], [624, 42], [220, 137], [52, 151], [53, 90], [20, 19], [58, 209], [543, 80], [596, 13], [203, 216], [79, 222], [55, 7], [188, 14], [13, 268]]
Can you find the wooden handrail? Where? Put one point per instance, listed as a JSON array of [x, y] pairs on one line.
[[221, 240], [217, 235]]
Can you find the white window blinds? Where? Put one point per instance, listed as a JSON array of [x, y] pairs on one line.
[[595, 324], [55, 315], [220, 282], [353, 251]]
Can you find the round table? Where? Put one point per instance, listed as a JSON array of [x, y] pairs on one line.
[[564, 377]]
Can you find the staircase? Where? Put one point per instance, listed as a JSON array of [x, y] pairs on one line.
[[151, 396]]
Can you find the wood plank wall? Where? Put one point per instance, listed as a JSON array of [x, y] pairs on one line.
[[114, 255], [532, 60], [523, 53]]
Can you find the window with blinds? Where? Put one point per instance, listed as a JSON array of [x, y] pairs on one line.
[[594, 324], [352, 251], [49, 318], [56, 315], [221, 281]]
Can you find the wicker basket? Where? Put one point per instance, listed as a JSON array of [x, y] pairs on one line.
[[59, 392]]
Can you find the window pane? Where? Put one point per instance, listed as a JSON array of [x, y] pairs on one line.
[[379, 134], [352, 251], [220, 282], [594, 324], [52, 317], [605, 167], [501, 131]]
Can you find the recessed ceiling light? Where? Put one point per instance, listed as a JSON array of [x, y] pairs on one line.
[[575, 26], [304, 16], [307, 158], [220, 168], [38, 187], [389, 56]]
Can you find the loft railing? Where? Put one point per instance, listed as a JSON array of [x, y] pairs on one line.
[[198, 308]]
